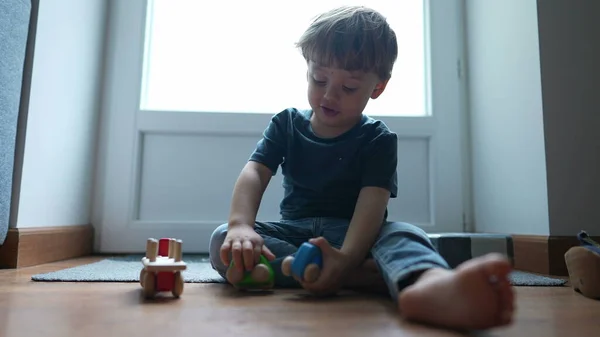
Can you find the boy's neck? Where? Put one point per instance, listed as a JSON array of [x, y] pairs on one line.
[[325, 131]]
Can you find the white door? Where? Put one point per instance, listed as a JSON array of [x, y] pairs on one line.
[[188, 93]]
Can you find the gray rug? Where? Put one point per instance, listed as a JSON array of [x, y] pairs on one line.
[[127, 269]]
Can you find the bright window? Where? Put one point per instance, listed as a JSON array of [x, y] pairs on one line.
[[239, 56]]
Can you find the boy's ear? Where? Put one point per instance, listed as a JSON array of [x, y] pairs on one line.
[[379, 88]]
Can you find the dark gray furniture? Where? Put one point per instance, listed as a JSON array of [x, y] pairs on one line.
[[14, 27]]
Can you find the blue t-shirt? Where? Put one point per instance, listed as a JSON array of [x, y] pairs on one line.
[[322, 177]]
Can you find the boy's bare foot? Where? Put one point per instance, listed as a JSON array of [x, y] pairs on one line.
[[475, 295]]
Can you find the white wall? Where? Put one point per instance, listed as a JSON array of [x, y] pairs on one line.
[[59, 154], [506, 118]]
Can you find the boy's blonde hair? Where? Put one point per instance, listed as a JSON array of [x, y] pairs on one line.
[[351, 38]]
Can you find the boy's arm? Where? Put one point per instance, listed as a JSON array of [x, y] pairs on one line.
[[379, 184], [365, 224], [256, 174], [247, 193]]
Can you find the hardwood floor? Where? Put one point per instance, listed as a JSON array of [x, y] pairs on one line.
[[30, 308]]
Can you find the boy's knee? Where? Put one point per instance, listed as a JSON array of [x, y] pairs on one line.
[[403, 229], [218, 235], [214, 246]]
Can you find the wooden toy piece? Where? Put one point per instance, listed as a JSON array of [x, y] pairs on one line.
[[260, 278], [306, 265], [583, 266], [162, 267]]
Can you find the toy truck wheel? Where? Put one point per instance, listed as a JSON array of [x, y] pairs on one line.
[[286, 265], [260, 273], [142, 276], [149, 284], [312, 272], [233, 275], [177, 284]]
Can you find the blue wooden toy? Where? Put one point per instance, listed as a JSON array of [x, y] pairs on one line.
[[305, 265]]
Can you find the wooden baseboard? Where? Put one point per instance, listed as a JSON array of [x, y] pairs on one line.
[[543, 254], [25, 247]]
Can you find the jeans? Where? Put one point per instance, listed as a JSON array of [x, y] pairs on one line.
[[399, 250]]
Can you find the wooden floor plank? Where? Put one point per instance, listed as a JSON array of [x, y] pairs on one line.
[[102, 309]]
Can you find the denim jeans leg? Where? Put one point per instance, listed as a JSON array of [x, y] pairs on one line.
[[400, 250], [332, 229]]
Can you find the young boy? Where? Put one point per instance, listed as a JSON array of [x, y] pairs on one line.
[[339, 169]]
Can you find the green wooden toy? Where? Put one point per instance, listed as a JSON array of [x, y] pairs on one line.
[[261, 277]]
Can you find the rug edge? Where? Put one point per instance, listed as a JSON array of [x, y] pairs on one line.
[[55, 276]]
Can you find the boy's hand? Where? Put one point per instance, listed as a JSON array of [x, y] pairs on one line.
[[336, 265], [245, 246]]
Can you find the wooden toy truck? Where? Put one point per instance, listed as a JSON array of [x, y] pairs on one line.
[[162, 267]]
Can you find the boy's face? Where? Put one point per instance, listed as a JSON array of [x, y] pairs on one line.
[[338, 97]]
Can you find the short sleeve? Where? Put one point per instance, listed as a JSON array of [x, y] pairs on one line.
[[271, 148], [380, 163]]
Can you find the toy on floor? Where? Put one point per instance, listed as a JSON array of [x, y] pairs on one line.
[[162, 267], [306, 265], [261, 277], [583, 265]]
